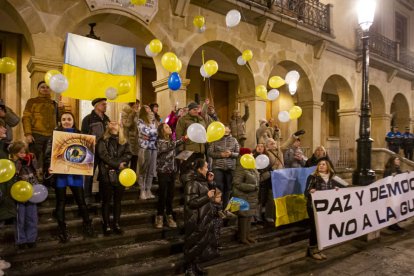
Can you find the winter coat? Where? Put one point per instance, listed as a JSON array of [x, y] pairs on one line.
[[181, 130], [246, 186], [40, 115], [408, 141], [111, 155], [129, 116], [147, 135], [316, 182], [391, 171], [61, 180], [291, 161], [199, 213], [216, 148], [238, 125], [7, 204], [11, 120], [166, 162], [26, 169], [93, 124]]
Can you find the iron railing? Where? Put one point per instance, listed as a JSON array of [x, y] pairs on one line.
[[341, 157], [310, 13]]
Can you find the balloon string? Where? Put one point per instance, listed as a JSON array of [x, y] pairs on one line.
[[202, 60], [211, 93]]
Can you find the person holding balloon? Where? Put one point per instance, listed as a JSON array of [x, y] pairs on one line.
[[74, 182], [114, 155], [40, 117], [26, 217]]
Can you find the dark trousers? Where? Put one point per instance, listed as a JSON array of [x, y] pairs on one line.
[[134, 163], [408, 153], [88, 183], [394, 148], [223, 179], [313, 240], [165, 193], [61, 202], [38, 147], [108, 193]]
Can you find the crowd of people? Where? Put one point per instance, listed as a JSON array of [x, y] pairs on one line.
[[211, 174], [397, 141]]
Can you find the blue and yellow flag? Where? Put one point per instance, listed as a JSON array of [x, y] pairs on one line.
[[91, 66], [288, 186]]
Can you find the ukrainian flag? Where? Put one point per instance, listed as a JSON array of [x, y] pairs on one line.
[[288, 186], [91, 66]]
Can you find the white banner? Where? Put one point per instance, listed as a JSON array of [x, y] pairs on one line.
[[352, 212]]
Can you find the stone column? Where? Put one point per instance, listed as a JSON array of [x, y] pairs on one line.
[[167, 98], [310, 121], [349, 129], [380, 125]]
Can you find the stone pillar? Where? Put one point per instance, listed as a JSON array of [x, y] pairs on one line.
[[167, 98], [310, 121], [379, 127], [349, 129]]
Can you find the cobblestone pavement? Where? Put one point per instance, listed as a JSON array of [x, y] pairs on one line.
[[392, 254]]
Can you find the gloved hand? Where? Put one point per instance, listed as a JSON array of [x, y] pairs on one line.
[[299, 132]]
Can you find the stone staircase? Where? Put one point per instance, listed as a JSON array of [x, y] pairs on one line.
[[143, 250]]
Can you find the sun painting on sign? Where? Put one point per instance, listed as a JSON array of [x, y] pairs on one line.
[[72, 153]]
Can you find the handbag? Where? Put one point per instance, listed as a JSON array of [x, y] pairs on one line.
[[113, 177]]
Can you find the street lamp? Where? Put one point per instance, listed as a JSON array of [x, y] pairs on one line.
[[364, 175]]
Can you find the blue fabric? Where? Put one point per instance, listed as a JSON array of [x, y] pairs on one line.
[[26, 223], [290, 181]]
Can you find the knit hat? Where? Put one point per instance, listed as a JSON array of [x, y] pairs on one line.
[[244, 151], [97, 100], [192, 105]]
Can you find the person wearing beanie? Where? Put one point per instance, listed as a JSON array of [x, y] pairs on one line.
[[94, 123], [246, 186], [40, 117], [238, 124], [181, 130]]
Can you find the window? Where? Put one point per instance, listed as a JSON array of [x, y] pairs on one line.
[[401, 29]]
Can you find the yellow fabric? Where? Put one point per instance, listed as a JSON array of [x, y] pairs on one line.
[[290, 208], [88, 85], [233, 206]]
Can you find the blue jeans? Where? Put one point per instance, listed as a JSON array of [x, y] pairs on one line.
[[26, 223], [224, 179]]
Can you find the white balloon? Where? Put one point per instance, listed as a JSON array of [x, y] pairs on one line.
[[59, 83], [293, 86], [241, 61], [262, 161], [197, 133], [233, 18], [273, 94], [283, 116], [292, 76], [202, 29], [111, 93], [203, 72], [148, 52]]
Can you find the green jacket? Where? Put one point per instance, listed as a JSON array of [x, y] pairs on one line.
[[181, 130]]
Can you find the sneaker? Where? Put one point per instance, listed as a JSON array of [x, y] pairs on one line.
[[149, 195], [4, 265], [170, 221], [158, 222], [142, 195]]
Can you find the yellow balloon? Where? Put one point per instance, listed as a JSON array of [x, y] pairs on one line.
[[179, 66], [7, 170], [169, 61], [155, 46], [295, 112], [247, 161], [199, 21], [138, 2], [261, 91], [127, 177], [7, 65], [276, 82], [50, 74], [247, 55], [124, 86], [21, 191], [211, 67], [215, 131]]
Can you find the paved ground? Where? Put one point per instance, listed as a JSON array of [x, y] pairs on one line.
[[392, 254]]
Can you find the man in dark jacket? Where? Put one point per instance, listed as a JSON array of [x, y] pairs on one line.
[[393, 139], [94, 124], [408, 143], [11, 120]]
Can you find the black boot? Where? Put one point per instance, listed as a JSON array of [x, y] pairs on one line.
[[199, 270], [190, 271], [243, 230], [88, 230], [107, 231], [117, 229], [63, 234]]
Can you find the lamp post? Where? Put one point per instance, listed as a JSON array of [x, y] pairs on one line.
[[364, 175]]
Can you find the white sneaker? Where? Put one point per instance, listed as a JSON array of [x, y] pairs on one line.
[[149, 195], [4, 265], [142, 195]]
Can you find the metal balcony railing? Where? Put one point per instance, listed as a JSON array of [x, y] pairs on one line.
[[341, 157], [310, 13]]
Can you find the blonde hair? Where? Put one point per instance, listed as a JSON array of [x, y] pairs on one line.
[[121, 136]]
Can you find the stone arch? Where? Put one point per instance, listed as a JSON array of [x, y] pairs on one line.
[[338, 114], [400, 112], [379, 119]]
